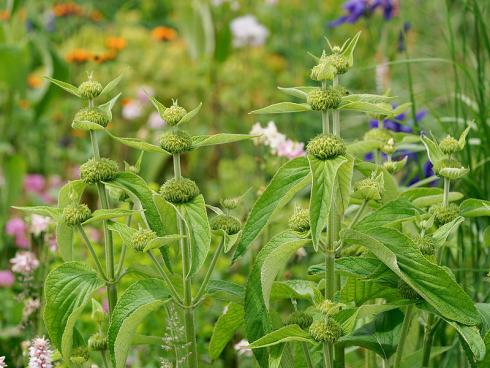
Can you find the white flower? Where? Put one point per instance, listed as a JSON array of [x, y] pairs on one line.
[[132, 110], [24, 263], [2, 362], [39, 224], [247, 31], [291, 149], [242, 348], [40, 353], [155, 121]]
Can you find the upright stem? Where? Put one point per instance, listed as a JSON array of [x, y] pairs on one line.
[[210, 270], [336, 113], [91, 251], [166, 277], [445, 198], [403, 336], [189, 318], [428, 338], [304, 346], [325, 119]]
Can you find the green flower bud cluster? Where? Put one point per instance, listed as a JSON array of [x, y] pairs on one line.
[[94, 115], [302, 319], [325, 330], [379, 135], [449, 145], [449, 168], [369, 189], [394, 166], [425, 244], [328, 307], [141, 238], [79, 356], [173, 114], [300, 220], [389, 147], [444, 215], [323, 100], [230, 203], [326, 147], [89, 89], [179, 190], [229, 224], [74, 215], [176, 142], [329, 66], [97, 342], [406, 291], [97, 170]]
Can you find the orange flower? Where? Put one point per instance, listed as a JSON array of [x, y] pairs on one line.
[[96, 16], [33, 81], [78, 56], [163, 33], [24, 104], [4, 15], [106, 56], [115, 43], [66, 9]]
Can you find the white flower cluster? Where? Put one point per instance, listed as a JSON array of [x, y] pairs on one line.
[[247, 31], [278, 143], [2, 362], [24, 263], [40, 354]]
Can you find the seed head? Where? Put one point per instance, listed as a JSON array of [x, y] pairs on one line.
[[97, 342], [406, 291], [323, 100], [302, 319], [176, 142], [369, 189], [326, 147], [173, 114], [74, 215], [339, 62], [444, 215], [300, 220], [425, 244], [180, 190], [89, 89], [94, 115], [328, 307], [449, 145], [141, 238], [96, 170], [229, 224], [325, 330]]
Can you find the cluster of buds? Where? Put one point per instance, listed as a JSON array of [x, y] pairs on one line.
[[326, 147], [300, 220], [370, 188], [141, 238], [179, 190], [75, 214], [227, 223]]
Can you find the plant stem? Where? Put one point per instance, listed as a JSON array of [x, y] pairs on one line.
[[428, 338], [164, 275], [189, 318], [210, 270], [92, 252], [336, 113], [358, 214], [445, 198], [122, 256], [104, 359], [325, 119], [328, 355], [403, 335]]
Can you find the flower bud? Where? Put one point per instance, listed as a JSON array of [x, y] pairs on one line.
[[323, 71], [79, 356], [181, 190], [89, 89], [94, 115], [302, 319], [379, 135], [425, 244], [74, 215], [300, 220], [328, 307], [173, 114], [325, 330], [339, 62], [444, 215], [449, 168], [97, 342], [449, 145], [369, 189], [326, 147], [176, 142], [407, 292], [230, 203], [141, 238], [323, 100], [229, 224], [389, 147], [97, 170], [395, 166]]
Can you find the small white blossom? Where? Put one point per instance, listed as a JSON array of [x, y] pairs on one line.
[[242, 348], [24, 263], [247, 31], [39, 224], [2, 362], [40, 354]]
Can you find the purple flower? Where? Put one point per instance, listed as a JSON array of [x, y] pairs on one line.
[[17, 228], [7, 278], [34, 183], [355, 9]]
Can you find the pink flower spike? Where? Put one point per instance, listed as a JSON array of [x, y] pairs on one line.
[[24, 263], [15, 226], [7, 279], [40, 353], [34, 183]]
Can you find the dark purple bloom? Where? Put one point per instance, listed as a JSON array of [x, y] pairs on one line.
[[356, 9]]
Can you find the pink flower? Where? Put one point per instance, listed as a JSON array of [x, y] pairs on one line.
[[290, 149], [24, 263], [17, 228], [34, 183], [7, 279], [40, 354], [132, 110], [2, 362], [30, 306], [39, 224], [143, 93], [242, 348]]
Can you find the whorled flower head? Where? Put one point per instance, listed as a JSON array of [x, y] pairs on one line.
[[89, 89], [96, 170], [406, 291], [379, 135], [24, 263], [300, 220], [302, 319], [229, 224], [40, 353], [425, 244], [75, 214], [97, 342], [328, 307], [141, 238], [79, 356], [176, 142], [369, 189], [449, 145], [326, 147], [395, 166], [444, 215], [340, 63], [323, 100], [449, 168], [325, 330], [179, 190], [94, 115], [173, 114]]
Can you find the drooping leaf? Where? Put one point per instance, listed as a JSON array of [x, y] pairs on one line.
[[137, 144], [284, 334], [47, 211], [288, 180], [283, 107], [140, 299], [221, 138], [68, 288], [441, 234], [66, 86], [107, 107], [296, 289], [225, 328], [475, 208], [226, 290]]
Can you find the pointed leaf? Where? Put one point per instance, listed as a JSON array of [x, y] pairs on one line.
[[362, 106], [190, 114], [138, 144], [462, 138], [66, 86], [109, 87], [348, 48], [108, 214], [158, 105], [160, 241], [475, 208], [47, 211], [86, 125], [284, 334], [221, 138], [107, 107], [226, 290], [295, 92], [390, 214], [374, 99], [225, 328], [433, 150], [283, 107]]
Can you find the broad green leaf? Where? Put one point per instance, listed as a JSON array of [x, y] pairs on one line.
[[139, 300], [283, 107], [196, 219], [288, 180], [295, 92], [228, 240], [168, 215], [475, 208], [360, 148], [66, 86], [225, 328], [413, 193], [109, 87], [158, 105], [471, 340], [284, 334], [431, 200], [124, 231], [390, 214], [52, 212], [108, 214], [432, 282], [414, 359], [364, 107], [433, 150], [271, 259], [374, 99], [68, 288], [226, 290], [86, 125], [138, 144], [349, 317], [324, 174], [486, 361], [360, 267], [221, 138], [360, 291], [107, 107], [190, 114], [160, 241], [441, 234], [296, 289], [484, 310], [343, 185]]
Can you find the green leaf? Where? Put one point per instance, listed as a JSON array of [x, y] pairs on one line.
[[413, 193], [68, 288], [390, 214], [221, 138], [486, 361], [86, 125], [137, 143], [160, 241], [288, 180], [226, 290], [431, 200], [124, 231], [414, 359], [300, 92], [108, 214], [107, 107], [66, 86], [283, 107], [433, 150], [360, 267], [441, 234], [348, 48], [52, 212], [284, 334], [324, 174], [109, 87], [158, 105], [363, 107], [296, 289], [271, 259], [475, 208], [139, 300], [462, 138], [360, 291], [471, 340], [190, 114], [374, 99], [228, 240], [225, 328], [429, 280]]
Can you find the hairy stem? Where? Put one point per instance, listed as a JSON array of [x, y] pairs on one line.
[[210, 270], [403, 336], [445, 198], [92, 252], [336, 113], [166, 277], [428, 338], [123, 247]]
